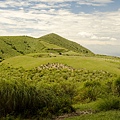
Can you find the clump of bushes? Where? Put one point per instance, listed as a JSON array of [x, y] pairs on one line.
[[110, 99], [90, 91], [109, 103]]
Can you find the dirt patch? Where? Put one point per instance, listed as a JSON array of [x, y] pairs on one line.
[[77, 113]]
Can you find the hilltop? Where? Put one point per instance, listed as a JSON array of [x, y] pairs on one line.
[[11, 46]]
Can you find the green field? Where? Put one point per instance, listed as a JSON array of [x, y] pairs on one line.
[[89, 63]]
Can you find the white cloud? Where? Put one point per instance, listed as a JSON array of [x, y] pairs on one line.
[[53, 1], [95, 2], [14, 3], [49, 6], [56, 1], [94, 37], [86, 35], [105, 49]]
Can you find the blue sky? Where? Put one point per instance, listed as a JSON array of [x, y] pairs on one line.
[[94, 24]]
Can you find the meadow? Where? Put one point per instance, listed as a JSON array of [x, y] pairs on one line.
[[30, 61]]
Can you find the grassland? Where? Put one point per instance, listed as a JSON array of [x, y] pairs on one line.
[[89, 63], [20, 45], [51, 76]]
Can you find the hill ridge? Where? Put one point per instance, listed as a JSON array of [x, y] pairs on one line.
[[20, 45]]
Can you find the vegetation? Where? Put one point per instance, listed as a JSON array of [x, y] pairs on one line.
[[20, 45], [50, 88], [109, 103], [62, 42], [33, 60], [51, 76], [109, 115]]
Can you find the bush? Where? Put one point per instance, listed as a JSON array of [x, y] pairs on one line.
[[91, 91], [117, 87], [109, 103]]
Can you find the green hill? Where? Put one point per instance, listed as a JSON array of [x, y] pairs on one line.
[[62, 42], [20, 45]]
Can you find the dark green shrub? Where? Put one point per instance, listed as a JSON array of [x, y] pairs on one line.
[[91, 84], [91, 91], [117, 87], [109, 103], [68, 88], [108, 87]]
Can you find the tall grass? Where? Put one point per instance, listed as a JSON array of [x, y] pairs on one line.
[[51, 89], [26, 99]]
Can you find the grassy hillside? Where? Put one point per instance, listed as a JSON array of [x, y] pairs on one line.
[[62, 42], [20, 45]]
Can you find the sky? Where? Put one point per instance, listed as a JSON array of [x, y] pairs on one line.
[[94, 24]]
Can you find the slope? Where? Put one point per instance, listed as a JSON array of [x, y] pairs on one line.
[[62, 42], [20, 45]]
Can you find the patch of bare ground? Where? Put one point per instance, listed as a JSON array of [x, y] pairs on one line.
[[77, 113]]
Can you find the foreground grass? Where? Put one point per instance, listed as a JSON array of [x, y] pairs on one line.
[[109, 115], [86, 106]]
